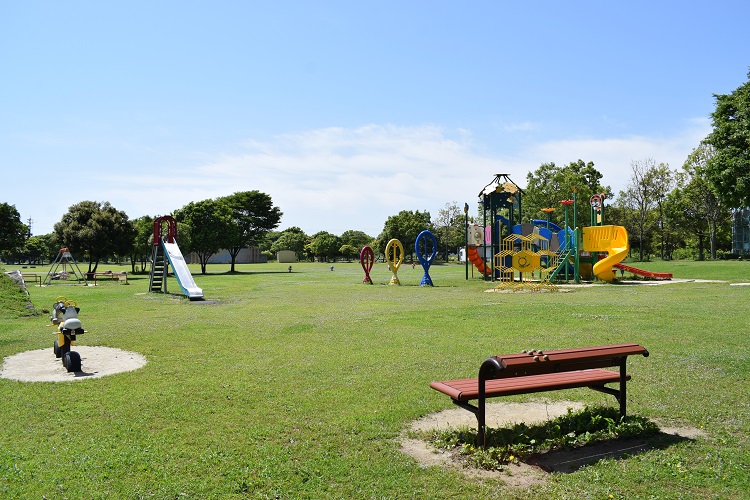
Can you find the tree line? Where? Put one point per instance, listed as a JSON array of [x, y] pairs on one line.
[[669, 213]]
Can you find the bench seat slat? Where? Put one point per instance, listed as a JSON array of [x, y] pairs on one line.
[[467, 389]]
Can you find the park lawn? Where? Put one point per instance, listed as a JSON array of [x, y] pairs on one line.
[[297, 385]]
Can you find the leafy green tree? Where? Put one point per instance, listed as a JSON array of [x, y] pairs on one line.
[[51, 246], [98, 230], [404, 227], [550, 184], [729, 168], [663, 183], [254, 215], [13, 232], [325, 246], [267, 242], [349, 252], [640, 201], [705, 213], [143, 242], [450, 228], [123, 239], [35, 250], [357, 239], [293, 239], [210, 223]]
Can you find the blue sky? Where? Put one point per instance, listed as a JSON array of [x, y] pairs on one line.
[[346, 112]]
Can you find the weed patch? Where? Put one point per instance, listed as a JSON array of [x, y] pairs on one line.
[[520, 442]]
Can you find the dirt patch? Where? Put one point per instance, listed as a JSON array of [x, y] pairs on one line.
[[41, 365], [538, 469]]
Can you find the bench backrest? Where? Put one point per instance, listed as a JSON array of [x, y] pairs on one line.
[[539, 362]]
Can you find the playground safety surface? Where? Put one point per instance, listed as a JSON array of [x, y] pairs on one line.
[[41, 365]]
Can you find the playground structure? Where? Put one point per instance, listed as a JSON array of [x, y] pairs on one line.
[[540, 253], [65, 317], [69, 272], [166, 253]]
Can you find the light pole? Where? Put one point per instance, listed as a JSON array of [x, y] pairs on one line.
[[466, 239]]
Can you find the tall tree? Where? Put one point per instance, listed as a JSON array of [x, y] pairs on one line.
[[450, 228], [349, 252], [699, 197], [675, 232], [35, 250], [254, 215], [550, 184], [98, 230], [13, 232], [663, 183], [210, 222], [404, 227], [640, 201], [142, 242], [325, 246], [293, 239], [729, 168], [356, 239]]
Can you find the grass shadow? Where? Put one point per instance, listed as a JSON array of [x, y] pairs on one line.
[[564, 444], [569, 461], [246, 273]]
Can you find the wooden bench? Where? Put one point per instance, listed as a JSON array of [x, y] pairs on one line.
[[112, 276], [32, 277], [540, 371]]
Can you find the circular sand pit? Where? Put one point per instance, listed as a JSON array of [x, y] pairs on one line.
[[41, 365]]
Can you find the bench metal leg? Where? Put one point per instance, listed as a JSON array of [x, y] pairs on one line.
[[478, 412], [623, 383], [486, 372], [621, 393]]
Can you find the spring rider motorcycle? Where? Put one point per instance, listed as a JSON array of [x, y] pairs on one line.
[[65, 317]]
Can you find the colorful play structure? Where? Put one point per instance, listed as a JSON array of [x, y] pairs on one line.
[[166, 253], [539, 253]]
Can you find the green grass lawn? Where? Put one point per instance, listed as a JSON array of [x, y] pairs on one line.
[[297, 385]]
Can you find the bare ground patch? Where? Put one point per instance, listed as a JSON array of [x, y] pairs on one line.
[[538, 469], [41, 365]]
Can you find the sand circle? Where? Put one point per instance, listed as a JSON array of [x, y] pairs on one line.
[[41, 365]]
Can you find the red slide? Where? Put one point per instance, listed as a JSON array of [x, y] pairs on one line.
[[641, 272], [475, 259]]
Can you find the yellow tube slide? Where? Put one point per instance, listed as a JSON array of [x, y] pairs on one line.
[[610, 239]]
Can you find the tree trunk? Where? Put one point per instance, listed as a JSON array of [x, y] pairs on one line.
[[203, 257], [233, 253], [712, 238], [640, 246]]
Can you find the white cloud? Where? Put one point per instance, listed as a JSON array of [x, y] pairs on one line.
[[613, 156], [336, 179]]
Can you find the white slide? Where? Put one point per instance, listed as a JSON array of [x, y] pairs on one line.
[[181, 271]]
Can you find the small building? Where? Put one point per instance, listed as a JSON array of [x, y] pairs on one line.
[[286, 256], [248, 255]]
